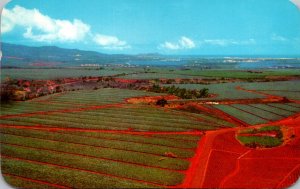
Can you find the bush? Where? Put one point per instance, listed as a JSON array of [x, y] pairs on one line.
[[161, 102], [7, 94]]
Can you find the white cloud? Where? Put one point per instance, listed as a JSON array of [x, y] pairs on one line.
[[296, 2], [186, 43], [182, 43], [110, 42], [276, 37], [226, 42], [40, 27], [171, 46], [219, 42]]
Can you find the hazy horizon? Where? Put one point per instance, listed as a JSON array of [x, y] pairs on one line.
[[172, 27]]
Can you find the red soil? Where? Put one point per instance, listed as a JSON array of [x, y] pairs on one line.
[[150, 99], [220, 165], [126, 80], [225, 163], [220, 160], [261, 173]]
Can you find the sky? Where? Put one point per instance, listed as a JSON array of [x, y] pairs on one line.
[[179, 27]]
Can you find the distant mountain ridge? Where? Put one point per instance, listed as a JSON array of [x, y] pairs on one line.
[[53, 56], [23, 55]]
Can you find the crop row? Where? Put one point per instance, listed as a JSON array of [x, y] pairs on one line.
[[177, 141], [148, 174], [107, 122], [109, 154], [241, 115], [64, 176], [259, 113], [104, 143], [210, 118], [282, 112], [107, 125], [99, 97], [20, 182], [292, 107]]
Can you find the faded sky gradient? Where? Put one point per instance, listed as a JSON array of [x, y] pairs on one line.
[[196, 27]]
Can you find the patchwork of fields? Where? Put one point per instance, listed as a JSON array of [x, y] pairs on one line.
[[96, 138]]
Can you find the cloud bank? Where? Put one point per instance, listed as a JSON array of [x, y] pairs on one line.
[[182, 43], [42, 28]]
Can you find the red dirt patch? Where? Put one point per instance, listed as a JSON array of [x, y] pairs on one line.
[[260, 173], [126, 80], [150, 99], [220, 165]]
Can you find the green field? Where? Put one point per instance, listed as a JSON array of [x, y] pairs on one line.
[[96, 139], [40, 73], [139, 73], [112, 159], [210, 73], [259, 138], [259, 113], [287, 89], [223, 90]]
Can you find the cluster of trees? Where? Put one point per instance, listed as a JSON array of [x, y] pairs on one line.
[[180, 92], [6, 93]]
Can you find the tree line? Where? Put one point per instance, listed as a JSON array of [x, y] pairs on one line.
[[180, 92]]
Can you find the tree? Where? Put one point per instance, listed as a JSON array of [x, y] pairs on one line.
[[203, 92], [7, 93], [161, 102]]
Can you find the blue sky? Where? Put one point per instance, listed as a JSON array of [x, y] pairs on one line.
[[194, 27]]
